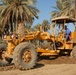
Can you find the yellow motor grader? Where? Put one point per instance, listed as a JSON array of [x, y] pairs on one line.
[[23, 50]]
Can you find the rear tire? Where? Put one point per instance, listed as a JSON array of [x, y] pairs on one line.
[[25, 56], [3, 60]]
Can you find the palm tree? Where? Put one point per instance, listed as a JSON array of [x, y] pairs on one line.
[[69, 8], [45, 25], [64, 7], [57, 9], [14, 12]]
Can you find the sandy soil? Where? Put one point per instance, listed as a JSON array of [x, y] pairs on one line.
[[61, 66]]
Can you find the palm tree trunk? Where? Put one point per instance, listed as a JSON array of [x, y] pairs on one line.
[[75, 15], [21, 29]]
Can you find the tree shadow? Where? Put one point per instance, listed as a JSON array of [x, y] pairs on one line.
[[39, 65]]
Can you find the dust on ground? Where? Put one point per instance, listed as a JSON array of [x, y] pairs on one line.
[[63, 65]]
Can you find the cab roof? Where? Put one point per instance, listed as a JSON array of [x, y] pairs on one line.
[[61, 19]]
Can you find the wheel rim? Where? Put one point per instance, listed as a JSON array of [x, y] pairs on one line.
[[27, 56]]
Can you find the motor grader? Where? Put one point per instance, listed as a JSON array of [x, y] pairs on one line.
[[24, 50]]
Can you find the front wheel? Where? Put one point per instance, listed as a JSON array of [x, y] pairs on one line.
[[25, 56]]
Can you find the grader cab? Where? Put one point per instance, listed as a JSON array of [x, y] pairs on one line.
[[23, 50], [61, 42]]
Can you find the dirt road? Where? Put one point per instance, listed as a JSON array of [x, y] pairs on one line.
[[60, 66], [56, 69]]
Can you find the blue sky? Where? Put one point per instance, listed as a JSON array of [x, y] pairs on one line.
[[45, 7]]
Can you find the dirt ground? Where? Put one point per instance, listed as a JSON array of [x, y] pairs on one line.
[[63, 65]]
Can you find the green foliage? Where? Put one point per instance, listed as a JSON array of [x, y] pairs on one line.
[[28, 26], [15, 11], [36, 27], [45, 25], [64, 7]]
